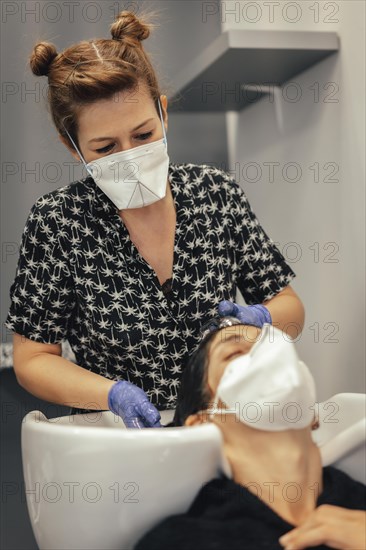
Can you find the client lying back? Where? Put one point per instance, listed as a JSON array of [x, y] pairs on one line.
[[251, 384]]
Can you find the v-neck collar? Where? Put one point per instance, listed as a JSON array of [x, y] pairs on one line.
[[103, 208]]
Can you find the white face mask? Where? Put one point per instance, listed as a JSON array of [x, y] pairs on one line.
[[269, 388], [133, 178]]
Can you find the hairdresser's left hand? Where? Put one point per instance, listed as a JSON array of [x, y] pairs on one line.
[[332, 526], [255, 315]]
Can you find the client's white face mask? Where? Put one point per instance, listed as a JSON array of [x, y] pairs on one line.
[[133, 178], [269, 388]]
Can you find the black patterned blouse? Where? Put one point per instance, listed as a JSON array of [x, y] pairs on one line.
[[80, 278]]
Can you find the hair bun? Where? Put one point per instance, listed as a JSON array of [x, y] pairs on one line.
[[128, 26], [42, 56]]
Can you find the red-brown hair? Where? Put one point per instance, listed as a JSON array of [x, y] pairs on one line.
[[95, 69]]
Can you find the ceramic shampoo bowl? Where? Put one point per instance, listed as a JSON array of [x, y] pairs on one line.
[[93, 484]]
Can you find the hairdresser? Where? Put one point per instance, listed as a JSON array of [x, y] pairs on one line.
[[129, 262]]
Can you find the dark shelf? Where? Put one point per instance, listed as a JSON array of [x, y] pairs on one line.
[[238, 57]]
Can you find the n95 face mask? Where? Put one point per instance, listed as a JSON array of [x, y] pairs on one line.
[[269, 388], [133, 178]]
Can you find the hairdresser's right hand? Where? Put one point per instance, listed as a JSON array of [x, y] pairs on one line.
[[132, 404]]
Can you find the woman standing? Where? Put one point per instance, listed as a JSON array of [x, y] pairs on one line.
[[129, 262]]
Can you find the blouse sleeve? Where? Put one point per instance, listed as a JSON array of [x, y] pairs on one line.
[[42, 293], [262, 271]]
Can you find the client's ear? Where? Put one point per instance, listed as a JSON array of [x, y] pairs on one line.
[[193, 419], [315, 424]]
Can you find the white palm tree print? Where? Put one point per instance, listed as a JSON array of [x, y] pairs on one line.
[[80, 278]]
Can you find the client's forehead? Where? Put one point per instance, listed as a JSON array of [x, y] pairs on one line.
[[226, 340], [236, 333]]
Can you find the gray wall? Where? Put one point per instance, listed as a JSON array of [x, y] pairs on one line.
[[318, 223]]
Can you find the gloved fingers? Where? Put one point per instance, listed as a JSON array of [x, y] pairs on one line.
[[246, 317], [132, 404], [157, 424], [130, 415], [133, 422], [227, 308], [149, 414]]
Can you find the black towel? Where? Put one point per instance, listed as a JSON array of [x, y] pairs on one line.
[[225, 515]]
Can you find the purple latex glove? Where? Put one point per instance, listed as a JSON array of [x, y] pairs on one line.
[[132, 404], [255, 315]]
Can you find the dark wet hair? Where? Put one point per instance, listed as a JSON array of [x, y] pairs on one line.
[[193, 394]]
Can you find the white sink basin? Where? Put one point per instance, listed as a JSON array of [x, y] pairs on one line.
[[93, 484]]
